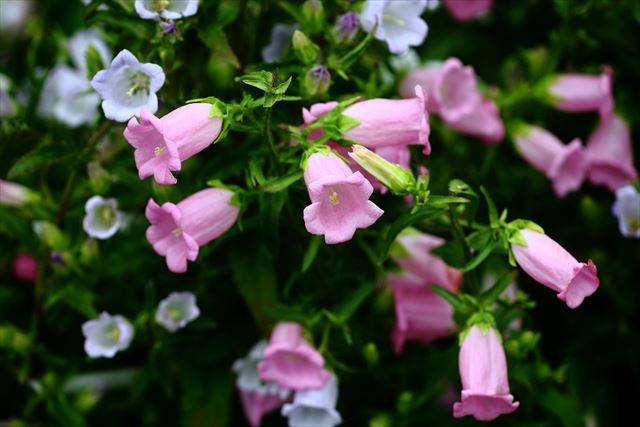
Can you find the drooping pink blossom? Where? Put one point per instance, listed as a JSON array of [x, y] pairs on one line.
[[550, 264], [25, 267], [290, 361], [467, 10], [339, 199], [385, 122], [12, 194], [162, 144], [421, 314], [413, 253], [483, 122], [610, 154], [178, 231], [564, 165], [483, 373], [451, 88], [579, 93]]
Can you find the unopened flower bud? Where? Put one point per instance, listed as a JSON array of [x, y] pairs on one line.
[[317, 80], [346, 28], [396, 178], [313, 12], [306, 50]]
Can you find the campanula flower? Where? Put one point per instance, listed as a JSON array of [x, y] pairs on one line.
[[258, 397], [177, 231], [610, 154], [579, 93], [290, 361], [564, 165], [177, 310], [280, 41], [339, 199], [102, 218], [107, 335], [550, 264], [483, 372], [127, 86], [12, 194], [162, 144], [81, 42], [166, 9], [627, 209], [467, 10], [25, 268], [399, 22], [314, 407], [346, 28]]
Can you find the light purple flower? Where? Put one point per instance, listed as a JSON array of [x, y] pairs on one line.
[[564, 165], [162, 144], [314, 407], [258, 397], [80, 43], [627, 209], [107, 335], [102, 218], [177, 310], [166, 9], [399, 22], [280, 41], [67, 97], [127, 86], [177, 231], [339, 199]]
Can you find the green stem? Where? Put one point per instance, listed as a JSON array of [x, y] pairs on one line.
[[268, 135], [458, 234]]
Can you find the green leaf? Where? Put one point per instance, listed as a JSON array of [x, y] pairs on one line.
[[43, 156], [446, 200], [262, 80], [215, 38], [349, 305], [479, 239], [93, 61], [279, 184], [493, 212], [206, 397], [282, 87], [77, 298], [480, 256], [311, 253]]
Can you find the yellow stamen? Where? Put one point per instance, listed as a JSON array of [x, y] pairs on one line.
[[159, 5], [393, 19], [106, 215], [173, 313], [333, 196], [114, 334], [159, 150], [177, 232]]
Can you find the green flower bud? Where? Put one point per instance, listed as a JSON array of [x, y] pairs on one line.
[[396, 178], [306, 50]]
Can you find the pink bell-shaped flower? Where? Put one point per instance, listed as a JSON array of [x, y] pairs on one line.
[[550, 264], [467, 10], [339, 199], [610, 154], [483, 122], [290, 361], [162, 144], [564, 165], [483, 372], [178, 231], [579, 93]]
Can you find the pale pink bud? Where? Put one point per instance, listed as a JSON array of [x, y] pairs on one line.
[[610, 154], [412, 251], [564, 165], [339, 199], [25, 268], [161, 145], [178, 231], [578, 93], [421, 314], [483, 373], [385, 122], [451, 88], [467, 10], [483, 122], [290, 361], [550, 264], [12, 194]]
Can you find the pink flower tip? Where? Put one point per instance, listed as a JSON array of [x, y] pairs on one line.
[[484, 407], [25, 268], [584, 284]]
